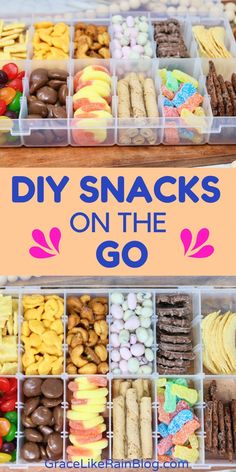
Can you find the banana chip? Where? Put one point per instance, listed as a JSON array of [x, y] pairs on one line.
[[218, 335], [211, 41]]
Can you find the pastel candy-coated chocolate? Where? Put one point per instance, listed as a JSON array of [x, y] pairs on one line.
[[115, 355], [133, 365], [132, 323], [170, 399], [185, 393], [163, 430], [165, 444], [183, 77], [132, 301], [179, 420], [185, 453], [117, 298], [115, 340], [182, 436], [116, 311], [125, 353], [183, 94], [123, 365], [137, 349]]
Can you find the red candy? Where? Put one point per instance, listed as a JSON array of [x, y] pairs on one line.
[[11, 70], [8, 404], [13, 386], [4, 382], [164, 445], [16, 84]]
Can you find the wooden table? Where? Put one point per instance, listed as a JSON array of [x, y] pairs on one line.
[[149, 156]]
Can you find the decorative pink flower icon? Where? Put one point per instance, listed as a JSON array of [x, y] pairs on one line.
[[39, 238], [199, 249]]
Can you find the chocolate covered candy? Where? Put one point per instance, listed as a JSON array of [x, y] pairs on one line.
[[42, 419], [169, 39], [48, 88]]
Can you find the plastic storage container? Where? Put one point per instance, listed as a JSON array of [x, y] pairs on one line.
[[107, 132], [204, 300]]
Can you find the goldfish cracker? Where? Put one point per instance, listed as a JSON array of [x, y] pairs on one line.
[[55, 307], [57, 366], [36, 327], [25, 330], [32, 301], [185, 453], [34, 340], [54, 39], [57, 326], [28, 357]]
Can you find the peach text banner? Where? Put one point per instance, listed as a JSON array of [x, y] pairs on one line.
[[188, 222]]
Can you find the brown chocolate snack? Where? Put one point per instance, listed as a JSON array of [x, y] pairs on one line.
[[175, 347], [221, 435], [208, 425], [169, 39], [215, 426], [47, 97], [175, 350], [222, 92], [42, 419], [233, 415], [229, 435]]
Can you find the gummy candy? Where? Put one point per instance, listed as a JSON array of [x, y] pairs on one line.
[[179, 420], [183, 435], [163, 430], [165, 444], [185, 453], [188, 394], [183, 94], [171, 82], [11, 70], [170, 399], [183, 77]]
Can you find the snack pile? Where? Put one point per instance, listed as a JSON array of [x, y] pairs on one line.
[[42, 419], [137, 98], [181, 99], [174, 334], [87, 335], [211, 41], [220, 424], [218, 337], [51, 40], [177, 422], [169, 39], [92, 105], [132, 333], [86, 419], [42, 335], [132, 419], [13, 40], [47, 94], [222, 92], [8, 419], [91, 41], [131, 38], [11, 88], [8, 335]]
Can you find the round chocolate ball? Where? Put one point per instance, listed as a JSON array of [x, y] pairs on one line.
[[52, 388], [41, 416], [55, 443], [32, 387], [30, 452], [33, 435]]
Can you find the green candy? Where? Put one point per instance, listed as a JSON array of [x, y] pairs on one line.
[[170, 399], [12, 139], [13, 456], [11, 416], [15, 104], [181, 381], [11, 434], [171, 82]]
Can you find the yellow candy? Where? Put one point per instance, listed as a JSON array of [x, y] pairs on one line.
[[185, 78], [186, 454], [6, 123], [185, 393], [161, 382], [193, 441]]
